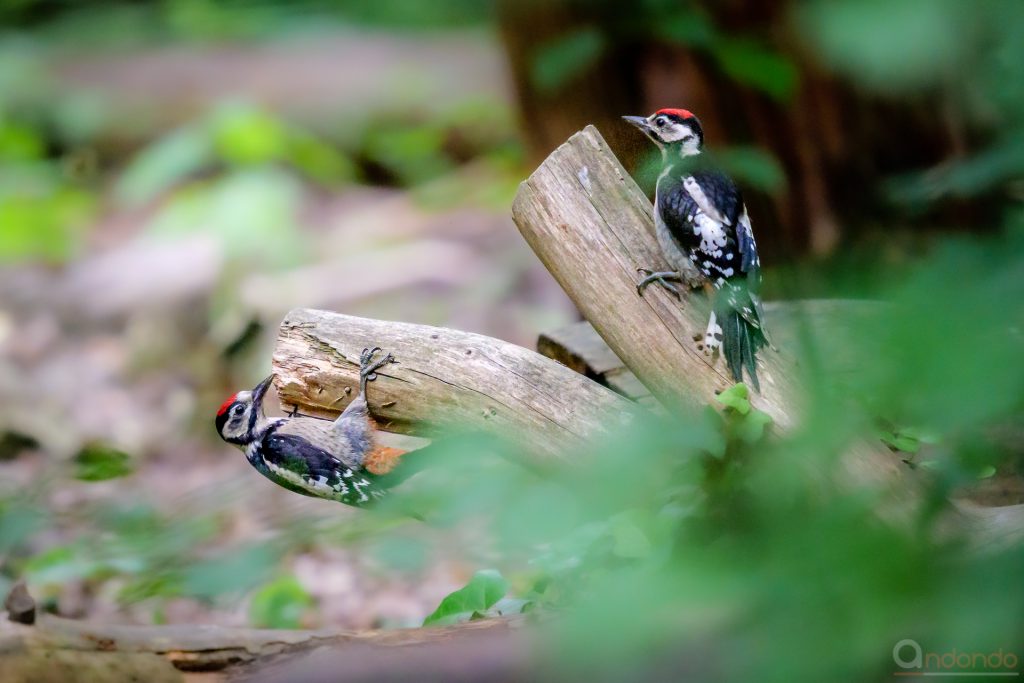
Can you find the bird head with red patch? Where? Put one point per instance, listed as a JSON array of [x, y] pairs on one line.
[[238, 417], [677, 132]]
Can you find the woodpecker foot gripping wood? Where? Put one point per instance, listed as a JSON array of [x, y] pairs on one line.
[[662, 278], [368, 366], [700, 221]]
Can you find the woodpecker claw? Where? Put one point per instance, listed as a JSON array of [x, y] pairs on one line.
[[661, 278], [368, 367], [367, 354]]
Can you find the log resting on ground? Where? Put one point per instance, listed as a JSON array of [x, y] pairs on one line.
[[444, 379]]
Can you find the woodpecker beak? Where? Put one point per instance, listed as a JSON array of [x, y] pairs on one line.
[[638, 121], [261, 390]]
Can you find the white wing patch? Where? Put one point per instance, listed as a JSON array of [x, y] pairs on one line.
[[693, 188], [711, 233]]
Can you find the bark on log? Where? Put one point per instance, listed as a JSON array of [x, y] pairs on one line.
[[445, 379]]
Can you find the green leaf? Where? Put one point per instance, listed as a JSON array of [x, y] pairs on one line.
[[162, 165], [901, 442], [754, 167], [230, 572], [507, 606], [736, 397], [565, 58], [986, 472], [243, 135], [485, 589], [61, 564], [687, 27], [97, 462], [280, 604], [748, 62], [18, 522], [19, 142], [42, 224], [629, 539], [750, 429], [890, 45]]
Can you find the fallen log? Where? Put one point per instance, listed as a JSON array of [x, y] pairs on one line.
[[134, 652], [592, 227], [445, 379]]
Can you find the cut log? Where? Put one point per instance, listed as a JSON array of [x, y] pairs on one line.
[[592, 227], [444, 379]]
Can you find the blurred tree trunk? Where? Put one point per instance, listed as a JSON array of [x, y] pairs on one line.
[[835, 143]]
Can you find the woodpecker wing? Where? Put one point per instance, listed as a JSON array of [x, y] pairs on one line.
[[296, 463], [716, 195], [746, 244], [345, 443]]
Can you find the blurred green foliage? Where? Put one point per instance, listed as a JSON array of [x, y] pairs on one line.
[[282, 603], [471, 601], [235, 136], [98, 462], [743, 58], [42, 212], [966, 55], [705, 543], [111, 24]]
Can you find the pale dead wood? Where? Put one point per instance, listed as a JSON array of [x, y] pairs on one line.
[[592, 227], [203, 647], [445, 379]]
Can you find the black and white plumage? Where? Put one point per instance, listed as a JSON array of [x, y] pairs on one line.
[[701, 220], [307, 455]]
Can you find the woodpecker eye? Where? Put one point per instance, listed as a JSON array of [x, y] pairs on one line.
[[660, 122], [237, 410]]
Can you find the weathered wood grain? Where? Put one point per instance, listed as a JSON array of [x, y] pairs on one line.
[[145, 651], [592, 227], [445, 379]]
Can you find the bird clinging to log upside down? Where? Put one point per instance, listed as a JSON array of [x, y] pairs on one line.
[[700, 217], [337, 460]]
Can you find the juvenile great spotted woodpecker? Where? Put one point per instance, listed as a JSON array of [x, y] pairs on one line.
[[700, 219], [337, 460]]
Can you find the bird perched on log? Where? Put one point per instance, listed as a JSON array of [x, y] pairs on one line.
[[337, 460], [701, 221]]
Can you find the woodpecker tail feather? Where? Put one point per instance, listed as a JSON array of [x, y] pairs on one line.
[[739, 315]]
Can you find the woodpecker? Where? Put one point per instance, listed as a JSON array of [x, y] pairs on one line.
[[336, 460], [701, 221]]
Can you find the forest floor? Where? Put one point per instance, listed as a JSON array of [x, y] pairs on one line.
[[131, 347]]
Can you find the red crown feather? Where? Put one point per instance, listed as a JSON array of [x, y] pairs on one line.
[[681, 113], [227, 404]]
